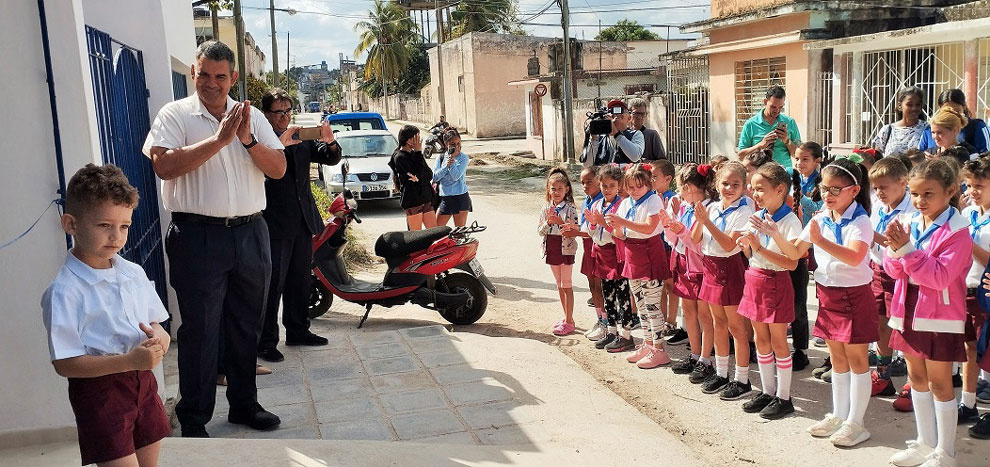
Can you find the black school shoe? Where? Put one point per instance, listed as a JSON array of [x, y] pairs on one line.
[[757, 403], [778, 408], [620, 344], [968, 415], [604, 341], [714, 384], [255, 417], [982, 428], [680, 337], [799, 360], [684, 366], [701, 372], [306, 339], [271, 355], [734, 390]]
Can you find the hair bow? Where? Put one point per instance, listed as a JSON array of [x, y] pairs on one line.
[[857, 155], [648, 167], [703, 169]]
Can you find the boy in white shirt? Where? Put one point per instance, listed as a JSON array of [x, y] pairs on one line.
[[102, 315]]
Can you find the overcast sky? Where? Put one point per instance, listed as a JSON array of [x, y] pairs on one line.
[[323, 28]]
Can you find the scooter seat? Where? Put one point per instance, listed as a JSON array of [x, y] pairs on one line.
[[393, 244]]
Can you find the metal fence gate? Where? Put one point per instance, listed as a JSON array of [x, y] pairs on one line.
[[122, 111], [687, 109]]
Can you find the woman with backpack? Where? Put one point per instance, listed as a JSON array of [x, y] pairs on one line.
[[906, 133]]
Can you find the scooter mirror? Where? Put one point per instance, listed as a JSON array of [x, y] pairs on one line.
[[345, 168]]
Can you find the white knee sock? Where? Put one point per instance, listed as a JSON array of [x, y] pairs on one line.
[[924, 417], [784, 368], [984, 375], [968, 399], [722, 366], [742, 374], [947, 417], [767, 379], [840, 394], [859, 397]]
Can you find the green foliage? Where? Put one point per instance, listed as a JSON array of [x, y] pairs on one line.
[[384, 36], [625, 30], [256, 89], [498, 16], [417, 74]]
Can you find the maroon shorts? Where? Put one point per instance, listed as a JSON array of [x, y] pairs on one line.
[[117, 414], [645, 259], [587, 259], [768, 296], [723, 281], [554, 256], [847, 314], [686, 286], [607, 265], [937, 346], [883, 289], [975, 317], [421, 209]]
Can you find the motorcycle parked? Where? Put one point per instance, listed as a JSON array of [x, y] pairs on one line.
[[433, 268], [433, 145]]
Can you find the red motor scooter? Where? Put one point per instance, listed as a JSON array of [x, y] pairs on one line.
[[433, 268]]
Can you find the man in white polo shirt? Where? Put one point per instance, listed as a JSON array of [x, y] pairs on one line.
[[212, 154]]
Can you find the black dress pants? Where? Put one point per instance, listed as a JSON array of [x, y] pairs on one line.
[[220, 276], [800, 332], [292, 263]]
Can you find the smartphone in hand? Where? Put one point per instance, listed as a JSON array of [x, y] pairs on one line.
[[309, 133]]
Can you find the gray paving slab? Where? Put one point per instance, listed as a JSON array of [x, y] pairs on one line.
[[413, 401], [438, 359], [283, 395], [506, 435], [402, 382], [377, 351], [295, 415], [433, 344], [423, 424], [458, 374], [486, 390], [349, 409], [423, 332], [368, 429], [324, 356], [283, 377], [335, 371], [374, 337], [449, 438], [391, 365], [494, 415], [332, 390]]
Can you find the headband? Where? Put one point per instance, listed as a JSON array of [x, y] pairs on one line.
[[855, 179], [703, 169]]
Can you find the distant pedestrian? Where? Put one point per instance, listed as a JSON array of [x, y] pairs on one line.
[[450, 173], [653, 145], [414, 179], [558, 217]]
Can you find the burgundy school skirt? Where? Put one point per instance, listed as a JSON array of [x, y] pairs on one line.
[[768, 296], [607, 265], [723, 282], [847, 314], [554, 256], [686, 286], [117, 414], [587, 260], [645, 259], [883, 289], [938, 346], [975, 317]]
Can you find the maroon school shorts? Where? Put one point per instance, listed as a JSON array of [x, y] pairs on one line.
[[645, 259], [587, 258], [975, 316], [724, 280], [937, 346], [554, 255], [847, 314], [883, 289], [768, 297], [686, 286], [117, 414]]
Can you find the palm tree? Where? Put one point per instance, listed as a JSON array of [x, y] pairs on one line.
[[385, 36], [497, 16]]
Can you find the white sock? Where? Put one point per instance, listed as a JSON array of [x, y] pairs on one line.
[[924, 417], [695, 357], [767, 379], [859, 397], [613, 330], [984, 375], [722, 366], [840, 394], [742, 374], [784, 368], [947, 417], [969, 399], [705, 361], [626, 333]]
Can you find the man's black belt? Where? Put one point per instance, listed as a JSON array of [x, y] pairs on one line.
[[224, 221]]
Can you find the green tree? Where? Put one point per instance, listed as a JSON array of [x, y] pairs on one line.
[[498, 16], [626, 30], [384, 37], [256, 88], [417, 74]]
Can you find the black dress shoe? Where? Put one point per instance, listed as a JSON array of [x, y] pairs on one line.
[[255, 417], [271, 355], [306, 339], [194, 431], [799, 360]]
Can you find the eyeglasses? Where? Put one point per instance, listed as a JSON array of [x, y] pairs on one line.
[[281, 113], [640, 114], [833, 190]]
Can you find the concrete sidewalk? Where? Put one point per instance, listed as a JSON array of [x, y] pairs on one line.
[[457, 398]]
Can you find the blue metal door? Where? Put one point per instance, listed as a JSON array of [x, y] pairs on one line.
[[122, 111]]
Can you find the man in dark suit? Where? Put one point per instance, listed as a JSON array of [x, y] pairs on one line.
[[292, 219]]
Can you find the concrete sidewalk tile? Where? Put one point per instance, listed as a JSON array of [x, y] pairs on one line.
[[374, 337], [379, 351], [494, 415], [402, 382], [433, 344], [423, 332], [487, 390], [462, 437], [412, 401], [511, 434], [369, 429], [283, 395], [292, 360], [295, 415], [324, 356], [283, 377], [391, 365], [458, 374], [335, 371], [220, 428], [302, 432], [423, 424], [348, 409], [332, 390], [438, 359]]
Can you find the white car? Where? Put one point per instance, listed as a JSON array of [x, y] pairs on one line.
[[368, 153]]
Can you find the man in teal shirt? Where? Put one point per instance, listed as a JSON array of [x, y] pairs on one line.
[[761, 131]]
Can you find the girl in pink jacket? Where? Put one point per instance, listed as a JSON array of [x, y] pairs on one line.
[[928, 255]]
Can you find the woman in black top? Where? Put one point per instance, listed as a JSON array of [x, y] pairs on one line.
[[413, 176]]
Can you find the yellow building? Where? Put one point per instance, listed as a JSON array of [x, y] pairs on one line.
[[254, 58]]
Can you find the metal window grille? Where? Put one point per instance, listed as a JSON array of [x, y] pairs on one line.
[[824, 136], [983, 81], [753, 78], [934, 68], [847, 119], [687, 109]]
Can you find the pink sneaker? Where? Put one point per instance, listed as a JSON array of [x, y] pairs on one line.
[[657, 356], [563, 329], [641, 351]]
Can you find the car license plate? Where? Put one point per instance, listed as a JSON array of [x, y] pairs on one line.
[[476, 267], [378, 187]]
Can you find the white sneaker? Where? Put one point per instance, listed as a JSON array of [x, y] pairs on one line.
[[915, 454], [939, 458], [830, 424], [849, 435], [596, 332]]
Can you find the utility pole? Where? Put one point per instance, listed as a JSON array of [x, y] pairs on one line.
[[239, 30], [287, 34], [271, 11], [440, 90], [214, 21], [568, 104]]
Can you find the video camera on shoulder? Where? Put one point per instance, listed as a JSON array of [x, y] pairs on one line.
[[599, 122]]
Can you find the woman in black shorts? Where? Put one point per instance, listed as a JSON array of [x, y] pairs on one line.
[[413, 177], [449, 173]]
